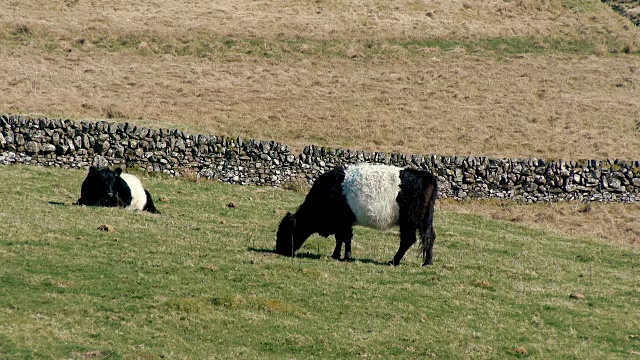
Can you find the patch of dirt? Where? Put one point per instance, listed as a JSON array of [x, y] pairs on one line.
[[482, 283], [520, 351], [107, 228], [577, 296]]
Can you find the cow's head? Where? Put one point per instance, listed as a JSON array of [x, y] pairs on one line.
[[99, 188]]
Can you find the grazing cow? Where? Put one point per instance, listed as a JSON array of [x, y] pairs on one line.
[[376, 196], [111, 188]]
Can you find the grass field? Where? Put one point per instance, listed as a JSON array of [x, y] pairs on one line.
[[199, 281]]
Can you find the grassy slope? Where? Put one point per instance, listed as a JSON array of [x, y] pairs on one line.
[[198, 281]]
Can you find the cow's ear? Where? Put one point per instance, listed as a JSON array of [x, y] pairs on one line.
[[118, 171], [93, 170]]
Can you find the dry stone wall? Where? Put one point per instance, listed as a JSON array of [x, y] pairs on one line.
[[72, 144]]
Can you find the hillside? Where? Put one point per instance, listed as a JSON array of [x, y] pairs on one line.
[[519, 78], [200, 281]]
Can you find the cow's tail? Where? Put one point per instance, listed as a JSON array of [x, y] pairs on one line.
[[427, 233]]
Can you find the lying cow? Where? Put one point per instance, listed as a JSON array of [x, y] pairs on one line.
[[113, 188]]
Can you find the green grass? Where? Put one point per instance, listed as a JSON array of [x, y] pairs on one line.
[[230, 47], [582, 6], [199, 281]]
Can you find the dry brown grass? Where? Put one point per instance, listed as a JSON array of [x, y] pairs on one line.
[[614, 223], [377, 19], [190, 175], [117, 60], [298, 184], [552, 106], [409, 76]]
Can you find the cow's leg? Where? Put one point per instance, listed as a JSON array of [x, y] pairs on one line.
[[149, 206], [343, 236], [428, 239], [407, 238], [338, 249]]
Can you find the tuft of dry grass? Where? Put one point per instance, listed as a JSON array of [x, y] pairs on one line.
[[297, 184], [111, 113], [190, 175], [21, 29]]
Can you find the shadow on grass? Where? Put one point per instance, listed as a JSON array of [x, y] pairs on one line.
[[298, 255], [371, 261], [271, 251], [308, 255], [56, 203]]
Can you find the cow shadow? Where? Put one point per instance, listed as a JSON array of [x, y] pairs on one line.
[[299, 255], [265, 251], [371, 261], [308, 255], [58, 203]]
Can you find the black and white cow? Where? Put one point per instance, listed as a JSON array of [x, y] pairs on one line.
[[113, 188], [376, 196]]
